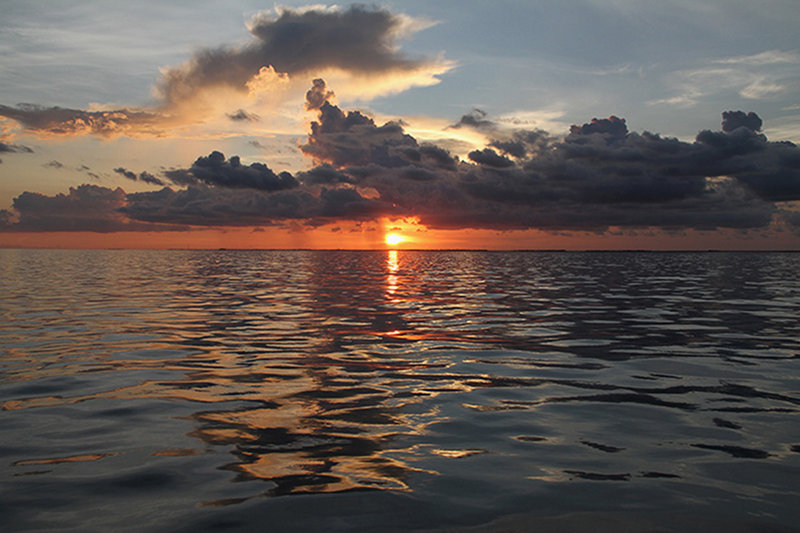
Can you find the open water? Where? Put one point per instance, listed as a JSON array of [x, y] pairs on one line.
[[399, 391]]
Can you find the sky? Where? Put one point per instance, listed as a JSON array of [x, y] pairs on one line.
[[587, 124]]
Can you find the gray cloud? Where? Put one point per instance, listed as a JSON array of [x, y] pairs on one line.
[[612, 125], [490, 158], [63, 121], [145, 177], [738, 119], [349, 139], [359, 39], [318, 94], [14, 148], [216, 170], [475, 120], [240, 115], [83, 208], [599, 176], [207, 206]]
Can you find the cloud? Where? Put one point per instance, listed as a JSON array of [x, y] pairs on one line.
[[357, 45], [765, 75], [769, 57], [145, 177], [242, 115], [738, 119], [83, 208], [54, 164], [216, 170], [600, 175], [207, 206], [359, 40], [475, 120], [352, 138], [490, 158], [62, 121], [14, 148], [318, 94]]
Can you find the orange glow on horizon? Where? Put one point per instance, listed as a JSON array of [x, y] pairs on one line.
[[360, 236]]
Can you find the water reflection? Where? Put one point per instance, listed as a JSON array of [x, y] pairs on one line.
[[392, 265], [320, 372]]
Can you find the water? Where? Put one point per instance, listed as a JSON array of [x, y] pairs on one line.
[[397, 391]]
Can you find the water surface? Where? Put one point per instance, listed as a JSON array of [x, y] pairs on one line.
[[380, 391]]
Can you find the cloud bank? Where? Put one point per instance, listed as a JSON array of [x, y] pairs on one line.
[[600, 175]]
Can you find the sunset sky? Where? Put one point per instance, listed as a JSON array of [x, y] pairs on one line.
[[587, 124]]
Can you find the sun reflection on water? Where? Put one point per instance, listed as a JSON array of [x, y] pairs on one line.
[[392, 265], [346, 372]]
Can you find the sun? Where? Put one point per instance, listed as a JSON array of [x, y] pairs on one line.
[[393, 238]]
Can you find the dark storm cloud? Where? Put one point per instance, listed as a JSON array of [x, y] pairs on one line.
[[216, 170], [63, 121], [359, 39]]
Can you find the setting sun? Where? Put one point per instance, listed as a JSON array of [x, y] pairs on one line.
[[393, 238]]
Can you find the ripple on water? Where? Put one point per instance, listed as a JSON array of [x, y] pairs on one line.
[[473, 382]]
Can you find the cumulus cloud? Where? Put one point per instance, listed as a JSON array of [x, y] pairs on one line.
[[600, 175], [357, 43], [231, 173], [353, 139], [360, 40], [732, 120]]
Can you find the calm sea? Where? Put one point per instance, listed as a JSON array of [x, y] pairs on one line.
[[399, 391]]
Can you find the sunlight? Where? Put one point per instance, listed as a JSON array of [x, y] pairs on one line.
[[393, 239]]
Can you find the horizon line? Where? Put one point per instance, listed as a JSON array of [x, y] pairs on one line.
[[488, 250]]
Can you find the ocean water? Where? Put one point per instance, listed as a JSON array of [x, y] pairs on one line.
[[399, 391]]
